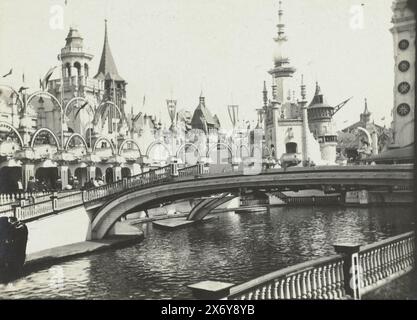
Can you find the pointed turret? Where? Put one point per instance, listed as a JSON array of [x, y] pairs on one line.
[[107, 69], [365, 115]]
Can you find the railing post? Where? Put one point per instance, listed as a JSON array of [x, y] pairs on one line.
[[54, 199], [174, 167], [351, 268], [210, 290]]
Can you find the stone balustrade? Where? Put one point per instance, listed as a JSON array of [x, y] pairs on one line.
[[385, 260], [354, 271]]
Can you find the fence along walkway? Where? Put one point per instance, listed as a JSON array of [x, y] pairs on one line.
[[354, 271], [62, 201]]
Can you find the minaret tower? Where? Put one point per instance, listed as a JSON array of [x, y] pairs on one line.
[[282, 70]]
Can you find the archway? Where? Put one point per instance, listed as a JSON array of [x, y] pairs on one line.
[[189, 154], [130, 149], [99, 173], [158, 152], [81, 175], [126, 173], [220, 153], [47, 176], [291, 147], [220, 156], [8, 131], [76, 144], [109, 175], [9, 176]]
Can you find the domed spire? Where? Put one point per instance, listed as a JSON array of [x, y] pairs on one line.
[[74, 38]]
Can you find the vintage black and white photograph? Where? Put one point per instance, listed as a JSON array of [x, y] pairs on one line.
[[207, 150]]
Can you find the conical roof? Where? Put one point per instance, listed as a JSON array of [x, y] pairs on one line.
[[107, 69], [318, 99]]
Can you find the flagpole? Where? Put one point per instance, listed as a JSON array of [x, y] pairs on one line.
[[62, 101]]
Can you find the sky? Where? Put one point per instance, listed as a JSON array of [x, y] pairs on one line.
[[177, 48]]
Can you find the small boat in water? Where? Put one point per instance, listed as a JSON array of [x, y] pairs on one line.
[[13, 241]]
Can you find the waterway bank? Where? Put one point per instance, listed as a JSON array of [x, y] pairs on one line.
[[52, 256]]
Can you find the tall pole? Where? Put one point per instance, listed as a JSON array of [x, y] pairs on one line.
[[62, 101]]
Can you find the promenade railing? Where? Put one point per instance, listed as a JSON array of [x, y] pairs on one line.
[[60, 201], [349, 274]]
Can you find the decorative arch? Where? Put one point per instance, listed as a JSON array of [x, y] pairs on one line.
[[32, 143], [74, 100], [154, 144], [103, 139], [188, 144], [219, 144], [44, 93], [103, 104], [368, 136], [76, 135], [77, 66], [8, 125], [127, 141]]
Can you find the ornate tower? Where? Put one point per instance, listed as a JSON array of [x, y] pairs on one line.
[[282, 70], [75, 65], [404, 37], [320, 116], [112, 83]]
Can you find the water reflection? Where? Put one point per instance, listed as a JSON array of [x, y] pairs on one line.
[[234, 248]]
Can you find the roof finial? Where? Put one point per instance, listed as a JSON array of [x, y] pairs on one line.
[[281, 24], [265, 95], [366, 111]]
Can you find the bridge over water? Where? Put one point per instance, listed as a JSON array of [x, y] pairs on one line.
[[105, 205]]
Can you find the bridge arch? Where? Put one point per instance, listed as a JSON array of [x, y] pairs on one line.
[[8, 125], [35, 135], [100, 139]]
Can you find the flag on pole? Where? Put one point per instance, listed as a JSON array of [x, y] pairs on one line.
[[9, 73], [23, 77], [144, 99]]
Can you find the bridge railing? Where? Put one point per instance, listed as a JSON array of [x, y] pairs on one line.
[[318, 279], [353, 272], [189, 171], [31, 211]]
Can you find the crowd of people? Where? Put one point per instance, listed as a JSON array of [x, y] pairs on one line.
[[35, 185]]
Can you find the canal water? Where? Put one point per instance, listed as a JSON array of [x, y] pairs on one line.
[[233, 248]]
